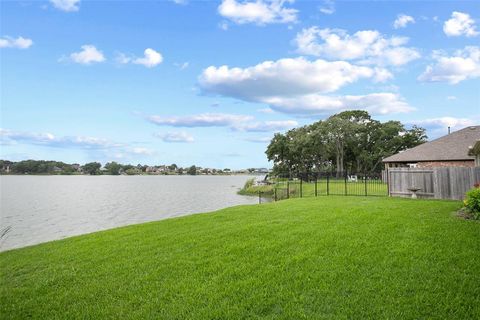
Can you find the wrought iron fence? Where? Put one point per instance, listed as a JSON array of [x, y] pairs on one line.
[[315, 184]]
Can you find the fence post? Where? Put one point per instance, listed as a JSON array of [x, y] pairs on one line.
[[288, 189], [365, 178], [275, 193], [301, 184], [259, 197], [345, 182], [316, 180], [328, 184]]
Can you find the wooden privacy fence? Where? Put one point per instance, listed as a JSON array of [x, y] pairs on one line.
[[435, 183]]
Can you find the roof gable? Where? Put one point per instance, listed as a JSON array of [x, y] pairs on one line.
[[454, 146]]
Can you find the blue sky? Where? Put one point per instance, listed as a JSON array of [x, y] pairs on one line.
[[209, 82]]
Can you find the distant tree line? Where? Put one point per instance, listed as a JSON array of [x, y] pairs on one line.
[[95, 168], [349, 141]]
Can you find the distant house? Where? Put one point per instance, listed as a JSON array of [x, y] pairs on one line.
[[452, 150]]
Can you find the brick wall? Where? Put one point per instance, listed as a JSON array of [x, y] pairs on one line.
[[432, 164]]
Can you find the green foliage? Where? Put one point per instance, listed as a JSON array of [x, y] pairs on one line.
[[323, 258], [192, 170], [92, 168], [113, 168], [350, 140], [472, 203]]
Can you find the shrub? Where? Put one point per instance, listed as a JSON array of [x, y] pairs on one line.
[[472, 203]]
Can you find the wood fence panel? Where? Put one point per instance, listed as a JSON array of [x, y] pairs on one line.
[[438, 183]]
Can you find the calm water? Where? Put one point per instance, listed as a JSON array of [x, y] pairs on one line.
[[44, 208]]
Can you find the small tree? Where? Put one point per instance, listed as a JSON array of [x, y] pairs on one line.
[[113, 168], [92, 168], [192, 170]]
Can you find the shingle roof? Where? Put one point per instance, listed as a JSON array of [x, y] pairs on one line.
[[454, 146]]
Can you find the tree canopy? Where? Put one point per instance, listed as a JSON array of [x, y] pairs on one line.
[[348, 141]]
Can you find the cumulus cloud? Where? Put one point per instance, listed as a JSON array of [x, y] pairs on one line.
[[48, 139], [328, 7], [266, 126], [66, 5], [176, 137], [92, 144], [260, 12], [367, 46], [18, 43], [299, 86], [316, 104], [463, 65], [200, 120], [150, 59], [439, 126], [282, 77], [88, 55], [402, 21], [460, 24], [233, 121]]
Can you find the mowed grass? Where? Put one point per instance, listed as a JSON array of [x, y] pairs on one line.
[[311, 258], [323, 187]]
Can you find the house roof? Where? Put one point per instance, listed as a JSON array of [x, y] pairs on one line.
[[454, 146]]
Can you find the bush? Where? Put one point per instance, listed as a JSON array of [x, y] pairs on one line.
[[472, 203]]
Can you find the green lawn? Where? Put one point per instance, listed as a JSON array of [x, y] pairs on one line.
[[317, 258], [323, 187]]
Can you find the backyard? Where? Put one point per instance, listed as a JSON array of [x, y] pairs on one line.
[[323, 257]]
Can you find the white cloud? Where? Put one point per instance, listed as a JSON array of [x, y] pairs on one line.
[[463, 65], [402, 21], [176, 137], [223, 25], [91, 144], [460, 24], [328, 7], [200, 120], [267, 126], [298, 86], [66, 5], [259, 12], [48, 139], [316, 104], [367, 46], [451, 98], [19, 42], [282, 77], [259, 139], [182, 66], [142, 151], [265, 110], [181, 2], [439, 126], [122, 58], [151, 58], [88, 55]]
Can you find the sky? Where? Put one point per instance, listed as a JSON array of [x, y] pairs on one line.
[[210, 82]]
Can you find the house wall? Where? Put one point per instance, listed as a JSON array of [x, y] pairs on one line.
[[441, 164]]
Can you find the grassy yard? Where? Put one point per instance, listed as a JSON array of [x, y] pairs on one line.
[[317, 258], [323, 187]]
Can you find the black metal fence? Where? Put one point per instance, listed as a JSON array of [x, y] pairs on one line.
[[315, 184]]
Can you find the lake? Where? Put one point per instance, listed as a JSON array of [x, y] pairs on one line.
[[43, 208]]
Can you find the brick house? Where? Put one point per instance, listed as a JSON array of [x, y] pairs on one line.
[[452, 150]]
